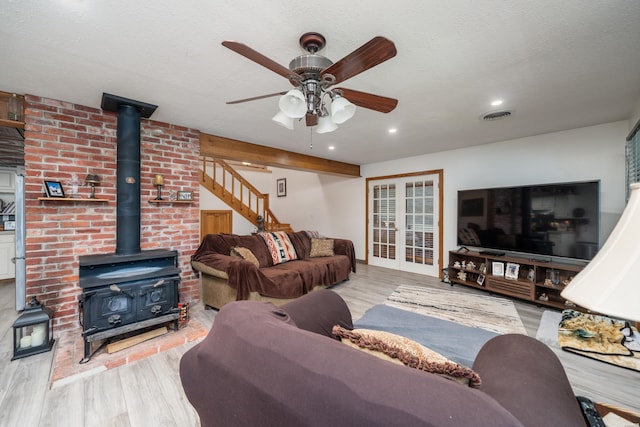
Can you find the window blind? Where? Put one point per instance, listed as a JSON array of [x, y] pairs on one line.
[[632, 154]]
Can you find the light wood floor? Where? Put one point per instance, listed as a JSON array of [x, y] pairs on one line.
[[149, 392]]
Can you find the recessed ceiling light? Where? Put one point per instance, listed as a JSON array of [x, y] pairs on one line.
[[496, 102], [393, 130], [332, 147]]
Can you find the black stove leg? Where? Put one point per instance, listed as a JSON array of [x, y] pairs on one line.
[[87, 351]]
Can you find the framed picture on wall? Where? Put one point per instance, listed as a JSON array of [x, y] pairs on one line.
[[53, 189], [281, 185]]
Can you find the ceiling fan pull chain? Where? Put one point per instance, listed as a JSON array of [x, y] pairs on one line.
[[310, 138]]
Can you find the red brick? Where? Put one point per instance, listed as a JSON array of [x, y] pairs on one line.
[[63, 139]]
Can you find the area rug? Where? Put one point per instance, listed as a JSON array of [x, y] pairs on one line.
[[549, 333], [494, 314], [457, 342]]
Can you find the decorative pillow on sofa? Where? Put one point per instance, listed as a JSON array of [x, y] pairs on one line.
[[401, 350], [321, 247], [280, 247], [245, 254]]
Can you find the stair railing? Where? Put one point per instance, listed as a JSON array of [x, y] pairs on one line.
[[227, 184]]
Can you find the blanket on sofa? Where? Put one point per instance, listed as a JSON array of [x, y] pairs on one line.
[[287, 280]]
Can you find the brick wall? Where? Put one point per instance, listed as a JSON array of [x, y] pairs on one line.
[[62, 140]]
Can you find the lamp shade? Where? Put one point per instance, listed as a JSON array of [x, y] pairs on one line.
[[293, 104], [325, 125], [341, 110], [609, 283], [283, 120]]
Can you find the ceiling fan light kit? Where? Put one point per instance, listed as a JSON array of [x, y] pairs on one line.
[[313, 76], [293, 104], [341, 110], [325, 125], [283, 120]]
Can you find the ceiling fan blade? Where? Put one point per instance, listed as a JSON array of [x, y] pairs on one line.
[[374, 52], [258, 58], [312, 119], [257, 97], [369, 100]]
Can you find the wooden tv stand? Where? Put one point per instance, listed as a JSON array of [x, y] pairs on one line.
[[528, 279]]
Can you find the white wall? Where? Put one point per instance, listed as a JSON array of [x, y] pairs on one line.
[[335, 206], [595, 152]]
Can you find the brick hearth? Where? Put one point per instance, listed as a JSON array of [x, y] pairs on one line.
[[69, 350]]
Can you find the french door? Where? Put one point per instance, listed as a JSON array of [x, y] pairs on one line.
[[404, 223]]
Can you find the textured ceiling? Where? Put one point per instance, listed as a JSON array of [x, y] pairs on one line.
[[556, 64]]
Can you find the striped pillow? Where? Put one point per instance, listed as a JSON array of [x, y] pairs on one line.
[[280, 247]]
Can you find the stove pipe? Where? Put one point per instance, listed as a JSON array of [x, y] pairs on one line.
[[128, 181], [127, 169]]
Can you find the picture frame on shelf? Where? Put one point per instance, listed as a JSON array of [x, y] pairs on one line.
[[480, 280], [54, 189], [281, 187], [512, 270], [497, 268], [185, 196]]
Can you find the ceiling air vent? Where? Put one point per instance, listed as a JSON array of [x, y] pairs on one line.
[[496, 115]]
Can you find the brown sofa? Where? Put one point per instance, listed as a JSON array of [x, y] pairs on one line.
[[226, 278], [262, 365]]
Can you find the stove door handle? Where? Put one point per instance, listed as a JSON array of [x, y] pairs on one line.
[[158, 283], [116, 288]]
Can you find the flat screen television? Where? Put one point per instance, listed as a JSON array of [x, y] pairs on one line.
[[560, 220]]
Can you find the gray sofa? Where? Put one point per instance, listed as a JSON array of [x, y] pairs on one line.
[[262, 365]]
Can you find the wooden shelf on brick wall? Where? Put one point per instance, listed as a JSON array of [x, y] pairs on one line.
[[71, 199], [11, 123], [167, 202], [4, 119]]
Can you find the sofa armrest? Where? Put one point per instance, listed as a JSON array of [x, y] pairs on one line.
[[222, 266], [526, 378], [345, 247], [318, 311], [205, 269]]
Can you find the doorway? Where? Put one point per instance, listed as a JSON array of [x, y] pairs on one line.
[[404, 222]]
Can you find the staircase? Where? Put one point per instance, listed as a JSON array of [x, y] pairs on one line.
[[225, 182]]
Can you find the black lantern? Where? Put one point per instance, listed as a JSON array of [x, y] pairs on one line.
[[33, 330]]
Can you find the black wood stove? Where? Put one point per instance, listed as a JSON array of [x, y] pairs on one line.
[[131, 289], [123, 293]]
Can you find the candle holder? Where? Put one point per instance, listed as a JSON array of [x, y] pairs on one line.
[[158, 181], [33, 330], [92, 180]]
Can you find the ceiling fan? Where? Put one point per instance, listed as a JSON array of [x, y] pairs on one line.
[[314, 76]]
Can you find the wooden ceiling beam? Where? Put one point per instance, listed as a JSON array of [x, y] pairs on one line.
[[232, 149]]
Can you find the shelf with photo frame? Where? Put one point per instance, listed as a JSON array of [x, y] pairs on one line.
[[53, 191], [72, 199], [531, 280], [468, 270], [181, 197]]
